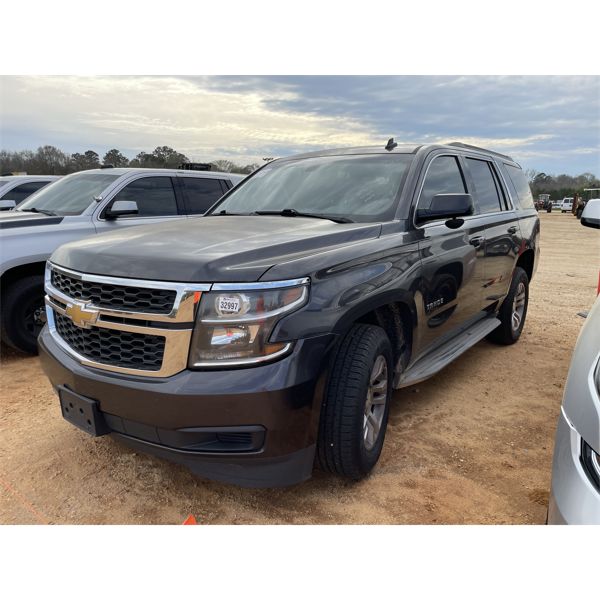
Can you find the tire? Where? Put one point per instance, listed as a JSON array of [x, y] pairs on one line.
[[349, 444], [516, 301], [22, 313]]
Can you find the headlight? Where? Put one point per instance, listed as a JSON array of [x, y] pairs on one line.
[[233, 327]]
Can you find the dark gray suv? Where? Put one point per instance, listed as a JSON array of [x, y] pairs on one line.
[[272, 331]]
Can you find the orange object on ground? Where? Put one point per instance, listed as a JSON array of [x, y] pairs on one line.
[[191, 520]]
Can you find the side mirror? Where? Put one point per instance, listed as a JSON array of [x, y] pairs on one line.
[[447, 206], [7, 204], [590, 217], [122, 208]]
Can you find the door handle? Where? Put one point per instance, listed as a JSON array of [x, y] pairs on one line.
[[476, 241], [512, 229]]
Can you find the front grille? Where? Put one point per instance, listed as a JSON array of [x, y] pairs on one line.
[[112, 347], [115, 297]]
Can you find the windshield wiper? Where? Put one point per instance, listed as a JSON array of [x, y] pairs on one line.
[[224, 213], [42, 211], [292, 212]]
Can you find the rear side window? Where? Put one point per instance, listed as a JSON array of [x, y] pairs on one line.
[[521, 185], [487, 195], [19, 193], [444, 176], [154, 196], [200, 193]]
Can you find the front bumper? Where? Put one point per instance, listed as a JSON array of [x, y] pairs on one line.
[[170, 417], [573, 500]]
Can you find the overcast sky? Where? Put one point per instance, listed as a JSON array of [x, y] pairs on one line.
[[550, 124]]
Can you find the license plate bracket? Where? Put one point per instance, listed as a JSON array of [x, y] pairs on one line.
[[82, 412]]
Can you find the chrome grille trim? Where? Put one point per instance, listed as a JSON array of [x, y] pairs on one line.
[[183, 313], [177, 341]]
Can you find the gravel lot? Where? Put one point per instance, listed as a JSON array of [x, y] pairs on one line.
[[471, 445]]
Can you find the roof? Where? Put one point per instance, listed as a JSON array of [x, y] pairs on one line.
[[126, 170], [399, 149], [20, 177]]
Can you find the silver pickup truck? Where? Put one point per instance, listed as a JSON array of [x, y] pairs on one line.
[[78, 206]]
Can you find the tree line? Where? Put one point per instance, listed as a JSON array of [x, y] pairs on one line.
[[49, 160], [560, 186]]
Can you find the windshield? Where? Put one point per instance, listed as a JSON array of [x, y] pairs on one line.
[[70, 195], [361, 187]]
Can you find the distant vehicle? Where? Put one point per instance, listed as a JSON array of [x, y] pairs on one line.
[[543, 201], [78, 206], [566, 205], [16, 188], [556, 204]]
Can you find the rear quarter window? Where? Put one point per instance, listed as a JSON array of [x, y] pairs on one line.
[[520, 186]]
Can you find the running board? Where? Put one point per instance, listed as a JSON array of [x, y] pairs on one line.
[[441, 357]]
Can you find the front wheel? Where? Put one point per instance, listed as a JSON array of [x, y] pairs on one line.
[[513, 311], [23, 313], [355, 408]]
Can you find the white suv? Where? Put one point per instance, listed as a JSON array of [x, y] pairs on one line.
[[78, 206], [567, 205]]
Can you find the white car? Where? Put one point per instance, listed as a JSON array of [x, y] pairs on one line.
[[567, 205], [575, 492]]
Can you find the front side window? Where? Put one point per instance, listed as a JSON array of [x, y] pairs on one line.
[[19, 193], [154, 196], [444, 176], [70, 195], [487, 196], [201, 193], [360, 187]]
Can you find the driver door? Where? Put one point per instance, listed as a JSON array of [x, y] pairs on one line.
[[452, 260]]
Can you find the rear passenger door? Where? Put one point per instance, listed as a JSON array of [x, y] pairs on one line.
[[200, 193], [155, 198], [451, 259], [502, 234]]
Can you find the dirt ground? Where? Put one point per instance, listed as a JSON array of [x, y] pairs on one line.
[[471, 445]]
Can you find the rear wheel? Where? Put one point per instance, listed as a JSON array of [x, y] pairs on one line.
[[513, 311], [355, 409], [23, 313]]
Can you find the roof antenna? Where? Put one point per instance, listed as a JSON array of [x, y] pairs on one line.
[[390, 145]]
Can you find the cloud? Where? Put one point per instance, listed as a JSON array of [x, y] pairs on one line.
[[548, 123], [143, 112]]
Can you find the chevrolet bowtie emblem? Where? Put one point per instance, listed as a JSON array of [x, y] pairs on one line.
[[81, 315]]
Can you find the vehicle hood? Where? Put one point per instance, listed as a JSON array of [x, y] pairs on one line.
[[581, 401], [11, 219], [209, 249]]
